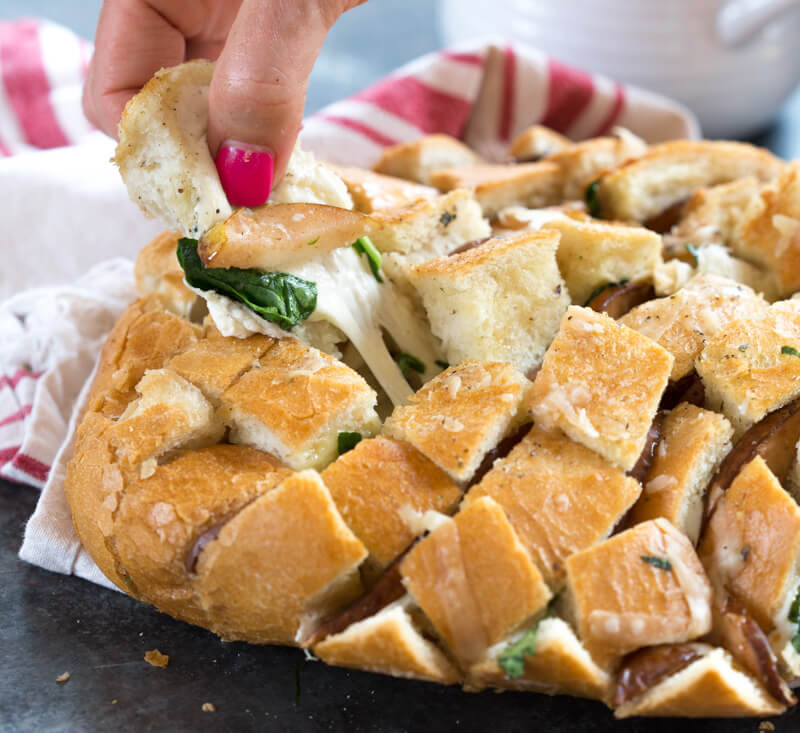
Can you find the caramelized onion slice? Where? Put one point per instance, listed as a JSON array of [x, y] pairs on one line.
[[501, 450], [386, 590], [646, 667], [668, 218], [741, 635], [639, 471], [617, 300], [687, 389], [774, 438]]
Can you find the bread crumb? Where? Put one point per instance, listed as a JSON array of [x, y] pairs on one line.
[[766, 725], [156, 658], [209, 707], [63, 677]]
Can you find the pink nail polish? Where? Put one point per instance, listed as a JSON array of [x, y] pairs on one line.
[[245, 173]]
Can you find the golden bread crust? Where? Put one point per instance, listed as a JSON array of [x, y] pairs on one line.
[[536, 142], [419, 159], [157, 272], [373, 192]]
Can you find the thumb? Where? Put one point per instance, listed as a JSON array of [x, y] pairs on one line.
[[258, 91]]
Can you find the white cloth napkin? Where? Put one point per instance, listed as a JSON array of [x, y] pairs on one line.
[[66, 213]]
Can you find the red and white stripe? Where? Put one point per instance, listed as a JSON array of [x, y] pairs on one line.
[[17, 399]]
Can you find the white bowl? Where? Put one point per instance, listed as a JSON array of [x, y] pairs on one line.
[[732, 62]]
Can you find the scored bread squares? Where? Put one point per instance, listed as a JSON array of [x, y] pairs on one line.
[[420, 159], [693, 444], [683, 322], [594, 253], [536, 142], [713, 686], [670, 172], [388, 643], [145, 337], [430, 228], [163, 521], [474, 580], [283, 562], [499, 301], [560, 497], [170, 414], [373, 192], [713, 214], [380, 483], [215, 363], [769, 230], [750, 368], [601, 383], [163, 154], [296, 403], [642, 587], [581, 162], [559, 666], [461, 414], [157, 272], [498, 186], [751, 549]]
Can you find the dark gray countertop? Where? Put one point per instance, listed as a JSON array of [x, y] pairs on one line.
[[50, 623]]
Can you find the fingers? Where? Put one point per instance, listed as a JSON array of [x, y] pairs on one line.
[[258, 91], [135, 38]]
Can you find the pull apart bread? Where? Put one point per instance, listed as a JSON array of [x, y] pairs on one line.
[[518, 425]]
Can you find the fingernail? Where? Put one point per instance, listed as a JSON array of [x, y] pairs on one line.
[[246, 173]]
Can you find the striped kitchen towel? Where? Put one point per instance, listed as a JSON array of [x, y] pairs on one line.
[[50, 336]]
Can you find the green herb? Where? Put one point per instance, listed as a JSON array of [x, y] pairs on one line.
[[446, 218], [364, 246], [744, 347], [276, 296], [658, 562], [312, 242], [442, 364], [603, 288], [347, 441], [512, 659], [592, 202], [407, 362], [791, 351], [794, 617], [693, 251]]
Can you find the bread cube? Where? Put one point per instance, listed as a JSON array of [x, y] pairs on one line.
[[158, 273], [373, 192], [457, 417], [474, 580], [378, 483], [500, 301], [713, 214], [702, 309], [750, 368], [601, 383], [560, 497], [560, 666], [388, 643], [163, 521], [145, 337], [170, 414], [639, 588], [214, 363], [670, 172], [283, 562], [581, 162], [499, 186], [420, 159], [693, 444], [536, 142], [769, 232], [295, 404], [751, 546], [713, 686], [594, 253]]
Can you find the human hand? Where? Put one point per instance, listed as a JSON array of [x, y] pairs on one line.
[[264, 49]]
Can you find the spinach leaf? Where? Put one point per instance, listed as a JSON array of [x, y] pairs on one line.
[[276, 296], [364, 246], [592, 202], [407, 362], [346, 441], [512, 660]]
